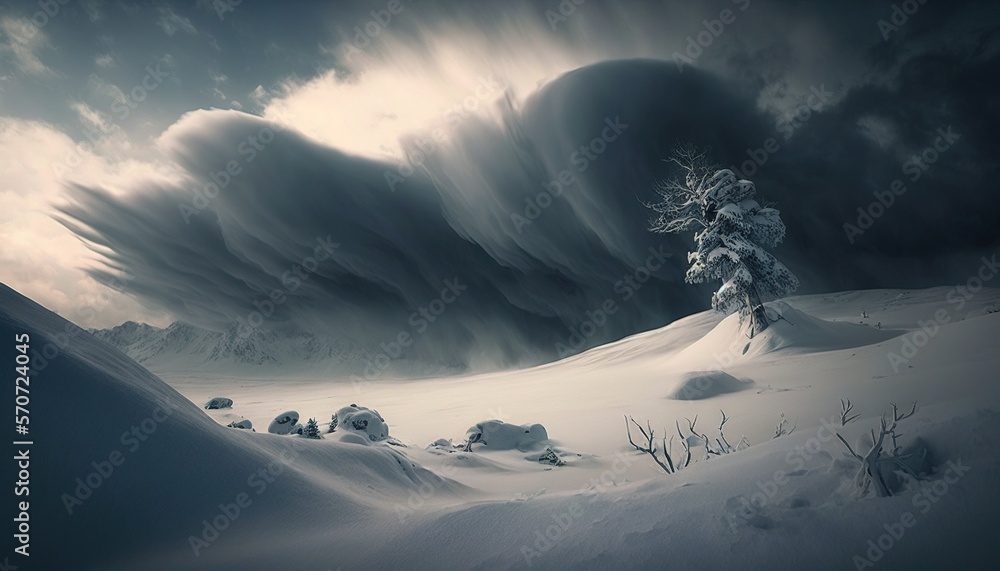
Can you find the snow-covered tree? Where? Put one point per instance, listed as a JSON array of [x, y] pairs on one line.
[[731, 233], [312, 429]]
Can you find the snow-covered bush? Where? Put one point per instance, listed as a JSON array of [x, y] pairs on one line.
[[885, 465], [664, 456], [731, 230], [362, 421], [219, 402], [311, 429], [285, 423]]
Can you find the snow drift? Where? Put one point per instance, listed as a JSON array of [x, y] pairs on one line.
[[791, 331], [707, 384]]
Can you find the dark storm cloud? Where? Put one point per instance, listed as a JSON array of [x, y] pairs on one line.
[[529, 283], [949, 213]]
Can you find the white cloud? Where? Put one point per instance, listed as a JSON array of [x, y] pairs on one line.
[[22, 42], [172, 22], [108, 139], [217, 78], [105, 60], [369, 113], [259, 96], [101, 90], [40, 257], [93, 10]]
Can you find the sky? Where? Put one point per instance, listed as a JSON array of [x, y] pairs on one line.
[[194, 161]]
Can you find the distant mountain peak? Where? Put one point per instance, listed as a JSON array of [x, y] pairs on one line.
[[182, 347]]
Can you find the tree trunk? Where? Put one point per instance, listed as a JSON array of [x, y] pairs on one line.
[[758, 316]]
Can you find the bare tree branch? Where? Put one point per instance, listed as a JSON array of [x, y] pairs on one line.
[[870, 473], [649, 448], [846, 407]]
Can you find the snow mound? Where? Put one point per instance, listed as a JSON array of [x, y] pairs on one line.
[[498, 435], [284, 423], [699, 385], [363, 422], [219, 402], [791, 331]]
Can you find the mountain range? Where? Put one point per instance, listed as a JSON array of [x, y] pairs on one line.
[[182, 347]]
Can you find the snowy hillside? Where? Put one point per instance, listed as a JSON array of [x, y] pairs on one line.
[[124, 469], [571, 493]]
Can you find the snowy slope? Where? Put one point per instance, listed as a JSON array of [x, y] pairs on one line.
[[176, 470], [640, 518], [349, 505]]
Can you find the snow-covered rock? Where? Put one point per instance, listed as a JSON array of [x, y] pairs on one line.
[[362, 421], [498, 435], [241, 424], [219, 402], [550, 457], [699, 385], [284, 423]]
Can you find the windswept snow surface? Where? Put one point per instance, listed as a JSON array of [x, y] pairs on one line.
[[782, 503], [93, 408]]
